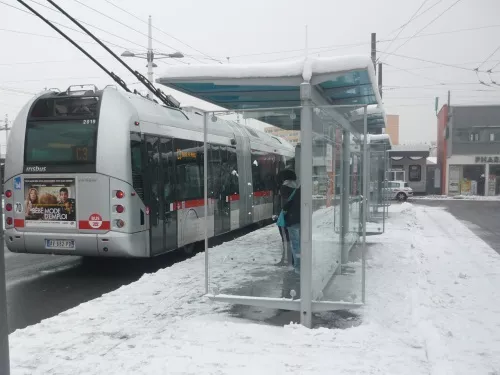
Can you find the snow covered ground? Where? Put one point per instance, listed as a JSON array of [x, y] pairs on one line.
[[432, 308], [458, 197]]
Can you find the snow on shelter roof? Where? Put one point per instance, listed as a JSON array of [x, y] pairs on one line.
[[348, 80]]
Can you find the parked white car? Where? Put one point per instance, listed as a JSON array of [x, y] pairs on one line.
[[399, 190]]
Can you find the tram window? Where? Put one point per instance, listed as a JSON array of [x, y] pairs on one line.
[[214, 171], [233, 170], [189, 170], [152, 169], [136, 160], [86, 106], [415, 173], [61, 142], [167, 162], [268, 172], [258, 183]]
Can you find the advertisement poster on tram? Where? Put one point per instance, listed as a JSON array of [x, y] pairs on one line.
[[50, 203]]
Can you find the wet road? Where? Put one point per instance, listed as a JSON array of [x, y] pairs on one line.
[[41, 286], [481, 217]]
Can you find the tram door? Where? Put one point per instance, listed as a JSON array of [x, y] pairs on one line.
[[278, 167], [220, 183], [152, 194], [169, 193]]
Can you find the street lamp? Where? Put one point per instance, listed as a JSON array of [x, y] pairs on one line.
[[150, 55]]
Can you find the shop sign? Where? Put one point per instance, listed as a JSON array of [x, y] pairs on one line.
[[487, 159]]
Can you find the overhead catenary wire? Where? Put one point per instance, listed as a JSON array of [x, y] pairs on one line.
[[414, 74], [406, 24], [428, 24], [18, 91], [111, 74], [164, 32], [417, 16], [334, 47], [166, 100], [89, 24], [486, 60], [48, 79], [430, 61], [438, 67], [127, 26], [56, 23]]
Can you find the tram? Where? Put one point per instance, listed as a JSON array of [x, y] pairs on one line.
[[111, 173]]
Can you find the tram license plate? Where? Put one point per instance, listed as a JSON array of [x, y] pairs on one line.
[[60, 244]]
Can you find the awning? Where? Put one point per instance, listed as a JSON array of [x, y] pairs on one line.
[[346, 81]]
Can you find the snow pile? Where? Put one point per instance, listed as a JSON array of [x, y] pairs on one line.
[[432, 288]]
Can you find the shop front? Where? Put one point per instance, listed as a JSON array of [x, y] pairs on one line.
[[473, 175]]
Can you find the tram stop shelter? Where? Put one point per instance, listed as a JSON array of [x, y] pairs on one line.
[[379, 148], [332, 102]]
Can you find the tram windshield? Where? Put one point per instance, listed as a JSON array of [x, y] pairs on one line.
[[68, 142]]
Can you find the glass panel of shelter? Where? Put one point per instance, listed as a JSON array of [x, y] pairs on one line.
[[256, 262], [337, 222]]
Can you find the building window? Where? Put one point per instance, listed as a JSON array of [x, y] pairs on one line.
[[474, 137], [492, 137], [461, 136], [415, 173]]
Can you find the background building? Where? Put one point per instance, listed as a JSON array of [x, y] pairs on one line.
[[469, 149], [392, 128]]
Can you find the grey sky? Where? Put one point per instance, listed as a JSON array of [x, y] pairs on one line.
[[247, 31]]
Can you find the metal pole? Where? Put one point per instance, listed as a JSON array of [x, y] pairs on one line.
[[365, 200], [150, 54], [374, 50], [205, 194], [346, 188], [305, 162], [380, 78], [4, 331]]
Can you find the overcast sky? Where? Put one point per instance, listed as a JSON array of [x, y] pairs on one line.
[[451, 39]]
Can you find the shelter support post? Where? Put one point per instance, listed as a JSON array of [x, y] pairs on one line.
[[306, 156], [205, 194], [365, 199], [346, 188]]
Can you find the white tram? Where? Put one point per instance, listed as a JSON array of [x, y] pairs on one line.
[[110, 173]]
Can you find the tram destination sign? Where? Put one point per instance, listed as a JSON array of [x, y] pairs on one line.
[[487, 159]]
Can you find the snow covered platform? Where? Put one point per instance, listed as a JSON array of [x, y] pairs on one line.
[[430, 310]]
